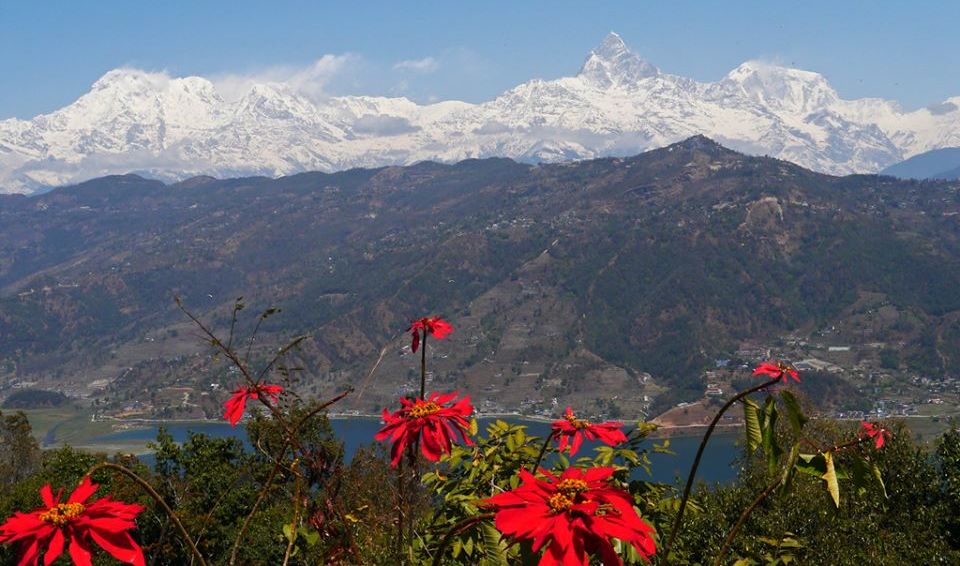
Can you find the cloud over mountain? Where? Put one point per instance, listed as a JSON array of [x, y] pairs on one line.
[[425, 65]]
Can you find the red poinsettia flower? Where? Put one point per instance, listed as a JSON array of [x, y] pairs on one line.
[[235, 405], [876, 432], [434, 326], [574, 516], [433, 421], [777, 370], [572, 430], [76, 522]]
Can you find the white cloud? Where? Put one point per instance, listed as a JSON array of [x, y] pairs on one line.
[[383, 125], [310, 80], [425, 65]]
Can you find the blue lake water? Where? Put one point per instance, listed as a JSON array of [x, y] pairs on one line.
[[718, 464]]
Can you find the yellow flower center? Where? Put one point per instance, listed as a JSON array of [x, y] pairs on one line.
[[576, 423], [559, 503], [567, 492], [421, 410], [784, 367], [62, 514], [572, 487]]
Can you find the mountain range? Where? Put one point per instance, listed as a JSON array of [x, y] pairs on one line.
[[941, 163], [631, 276], [618, 104]]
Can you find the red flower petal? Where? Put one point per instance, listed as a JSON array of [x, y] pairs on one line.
[[433, 422], [83, 491], [46, 494], [31, 553], [80, 552], [55, 548], [440, 328], [104, 520], [235, 405], [777, 370], [119, 545], [571, 431], [574, 516]]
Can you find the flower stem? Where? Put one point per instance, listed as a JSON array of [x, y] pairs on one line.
[[455, 530], [423, 365], [260, 497], [543, 450], [743, 518], [156, 497], [291, 541], [401, 501], [411, 486], [696, 461]]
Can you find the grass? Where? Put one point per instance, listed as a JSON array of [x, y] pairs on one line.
[[65, 425], [927, 429]]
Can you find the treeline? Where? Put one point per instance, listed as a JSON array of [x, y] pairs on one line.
[[213, 483], [34, 399]]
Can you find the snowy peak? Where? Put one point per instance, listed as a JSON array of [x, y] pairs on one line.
[[617, 105], [274, 102], [613, 64], [130, 81], [781, 88]]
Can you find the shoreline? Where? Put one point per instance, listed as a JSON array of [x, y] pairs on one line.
[[133, 424], [662, 431]]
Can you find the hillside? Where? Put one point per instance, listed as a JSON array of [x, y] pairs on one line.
[[612, 283], [935, 164]]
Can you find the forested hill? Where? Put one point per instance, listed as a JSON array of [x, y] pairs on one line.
[[568, 281]]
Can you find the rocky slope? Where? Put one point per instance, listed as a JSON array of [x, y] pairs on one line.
[[609, 281]]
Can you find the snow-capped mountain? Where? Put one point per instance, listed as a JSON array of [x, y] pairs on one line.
[[617, 104]]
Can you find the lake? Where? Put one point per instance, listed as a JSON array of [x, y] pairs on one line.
[[718, 463]]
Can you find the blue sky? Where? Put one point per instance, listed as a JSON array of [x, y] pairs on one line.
[[53, 51]]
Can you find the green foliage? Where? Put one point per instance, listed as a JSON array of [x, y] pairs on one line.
[[900, 523], [948, 458], [19, 452], [471, 474], [34, 399]]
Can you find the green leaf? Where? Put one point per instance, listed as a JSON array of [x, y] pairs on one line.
[[771, 448], [751, 415], [794, 412], [862, 477], [474, 427], [288, 532], [790, 542], [311, 537], [831, 478], [494, 547], [788, 471], [630, 456], [519, 437], [812, 464], [876, 474]]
